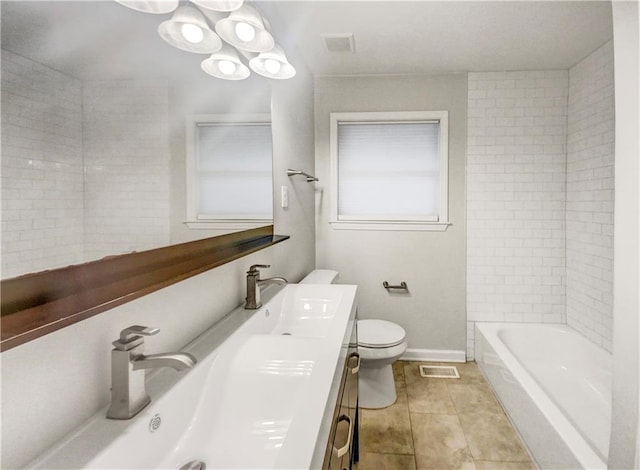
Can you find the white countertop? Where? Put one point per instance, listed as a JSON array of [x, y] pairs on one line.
[[261, 396]]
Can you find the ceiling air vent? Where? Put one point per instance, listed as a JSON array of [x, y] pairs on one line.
[[342, 42]]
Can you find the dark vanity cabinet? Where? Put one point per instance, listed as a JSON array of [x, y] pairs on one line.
[[342, 448]]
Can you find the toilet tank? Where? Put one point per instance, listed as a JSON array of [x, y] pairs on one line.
[[321, 276]]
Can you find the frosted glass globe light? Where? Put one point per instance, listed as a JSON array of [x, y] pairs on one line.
[[226, 67], [188, 30], [272, 66], [225, 64], [245, 31], [192, 33]]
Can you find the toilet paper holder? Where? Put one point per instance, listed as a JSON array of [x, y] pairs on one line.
[[402, 286]]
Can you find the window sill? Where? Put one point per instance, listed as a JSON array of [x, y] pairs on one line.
[[391, 226], [227, 224]]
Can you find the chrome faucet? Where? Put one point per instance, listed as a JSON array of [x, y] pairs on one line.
[[128, 392], [254, 282]]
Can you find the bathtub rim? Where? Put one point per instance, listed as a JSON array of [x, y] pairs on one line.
[[573, 439]]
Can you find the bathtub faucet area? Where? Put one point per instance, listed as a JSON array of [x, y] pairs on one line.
[[128, 362], [253, 300]]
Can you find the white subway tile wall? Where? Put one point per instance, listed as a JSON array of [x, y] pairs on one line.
[[127, 165], [516, 193], [85, 167], [590, 196], [42, 169]]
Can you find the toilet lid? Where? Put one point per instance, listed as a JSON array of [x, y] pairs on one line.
[[379, 333]]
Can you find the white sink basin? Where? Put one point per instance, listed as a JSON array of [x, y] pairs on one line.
[[257, 400], [306, 310], [250, 418]]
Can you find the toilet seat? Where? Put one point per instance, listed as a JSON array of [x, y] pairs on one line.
[[375, 354], [379, 334]]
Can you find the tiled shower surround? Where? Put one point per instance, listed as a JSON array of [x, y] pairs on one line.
[[540, 197], [590, 190], [126, 157], [85, 167], [42, 169]]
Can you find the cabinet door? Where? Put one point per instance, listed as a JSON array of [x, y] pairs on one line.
[[341, 440], [339, 434]]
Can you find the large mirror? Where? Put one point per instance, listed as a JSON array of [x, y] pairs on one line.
[[95, 108]]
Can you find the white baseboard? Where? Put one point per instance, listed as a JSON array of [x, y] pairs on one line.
[[433, 355]]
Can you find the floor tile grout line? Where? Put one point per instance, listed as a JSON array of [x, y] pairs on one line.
[[413, 440], [457, 409], [406, 391], [464, 435]]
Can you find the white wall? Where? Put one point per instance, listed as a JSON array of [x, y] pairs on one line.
[[126, 158], [431, 263], [52, 384], [292, 121], [42, 168], [516, 197], [590, 195], [623, 451]]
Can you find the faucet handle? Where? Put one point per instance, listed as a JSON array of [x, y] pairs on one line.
[[254, 267], [132, 336], [128, 334]]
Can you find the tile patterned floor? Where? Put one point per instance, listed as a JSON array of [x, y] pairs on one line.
[[440, 424]]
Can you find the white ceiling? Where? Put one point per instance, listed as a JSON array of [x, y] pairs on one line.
[[448, 36], [97, 39]]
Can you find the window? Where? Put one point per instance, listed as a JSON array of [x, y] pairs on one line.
[[389, 171], [229, 171]]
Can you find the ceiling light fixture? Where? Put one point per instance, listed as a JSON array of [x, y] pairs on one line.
[[243, 28], [272, 64], [158, 7], [225, 64], [192, 33], [219, 5], [246, 29], [245, 32], [188, 30]]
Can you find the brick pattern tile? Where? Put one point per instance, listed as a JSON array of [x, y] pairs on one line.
[[590, 196], [85, 167]]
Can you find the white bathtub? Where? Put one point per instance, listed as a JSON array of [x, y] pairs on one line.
[[556, 387]]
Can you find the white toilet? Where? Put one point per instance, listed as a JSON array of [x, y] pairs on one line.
[[320, 276], [380, 344]]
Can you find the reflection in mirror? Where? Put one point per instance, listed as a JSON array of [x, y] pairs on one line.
[[94, 105], [229, 171]]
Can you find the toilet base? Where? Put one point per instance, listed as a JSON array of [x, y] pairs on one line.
[[377, 388]]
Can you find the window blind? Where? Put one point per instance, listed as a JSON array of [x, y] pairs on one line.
[[388, 171], [234, 170]]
